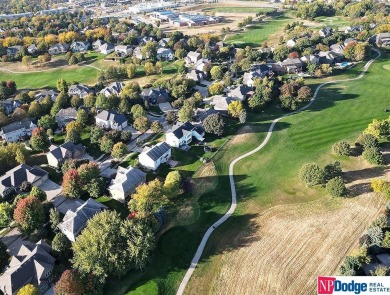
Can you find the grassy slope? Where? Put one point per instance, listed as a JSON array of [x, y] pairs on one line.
[[340, 112], [269, 177]]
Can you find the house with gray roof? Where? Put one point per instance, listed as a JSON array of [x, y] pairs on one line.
[[9, 105], [123, 50], [79, 46], [383, 39], [202, 64], [249, 78], [32, 49], [106, 48], [111, 120], [65, 116], [153, 157], [114, 88], [13, 50], [13, 179], [75, 220], [292, 65], [195, 75], [31, 265], [192, 57], [52, 94], [165, 54], [220, 103], [241, 92], [325, 32], [68, 150], [125, 183], [58, 48], [16, 131], [81, 90], [202, 114], [96, 45], [182, 134], [155, 95]]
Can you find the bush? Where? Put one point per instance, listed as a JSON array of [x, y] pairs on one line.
[[311, 174], [126, 136], [336, 187], [368, 141], [351, 266], [373, 155], [342, 148], [332, 171]]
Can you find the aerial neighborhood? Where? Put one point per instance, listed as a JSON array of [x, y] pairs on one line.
[[128, 130]]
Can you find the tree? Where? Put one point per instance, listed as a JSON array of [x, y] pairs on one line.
[[62, 86], [73, 60], [186, 112], [61, 245], [47, 122], [35, 110], [381, 271], [332, 170], [55, 219], [131, 70], [373, 156], [156, 127], [375, 236], [216, 73], [235, 108], [39, 139], [368, 141], [28, 290], [172, 184], [90, 100], [216, 88], [122, 244], [126, 136], [29, 214], [26, 61], [159, 68], [288, 102], [150, 50], [148, 197], [304, 93], [342, 148], [119, 150], [336, 187], [38, 193], [70, 283], [137, 111], [73, 135], [311, 174], [149, 68], [4, 256], [351, 266], [141, 124], [96, 134], [6, 212], [386, 240], [95, 187], [171, 117], [71, 184], [214, 124], [82, 116], [88, 171]]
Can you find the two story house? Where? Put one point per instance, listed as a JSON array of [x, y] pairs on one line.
[[182, 134], [153, 157], [17, 130], [111, 120], [79, 46], [68, 150], [65, 116]]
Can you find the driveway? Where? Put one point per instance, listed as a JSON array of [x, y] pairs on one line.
[[51, 189]]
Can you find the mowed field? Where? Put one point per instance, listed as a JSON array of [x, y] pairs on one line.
[[284, 234]]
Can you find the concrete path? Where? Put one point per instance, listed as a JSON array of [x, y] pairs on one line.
[[233, 206]]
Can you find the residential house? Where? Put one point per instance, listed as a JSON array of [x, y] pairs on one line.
[[250, 77], [337, 49], [97, 44], [18, 130], [292, 65], [163, 42], [32, 49], [125, 183], [220, 103], [328, 57], [13, 179], [291, 42], [349, 40], [13, 50], [165, 54], [106, 48], [111, 120], [123, 50], [114, 88], [65, 116], [197, 76], [9, 105], [75, 220], [46, 93], [267, 50], [155, 95], [68, 150], [153, 157], [310, 58], [383, 39], [202, 114], [351, 29], [80, 90], [192, 57], [202, 64], [181, 134], [241, 92], [79, 46], [137, 52], [31, 265], [325, 32], [58, 48]]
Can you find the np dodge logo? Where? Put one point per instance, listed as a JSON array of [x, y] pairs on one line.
[[331, 285]]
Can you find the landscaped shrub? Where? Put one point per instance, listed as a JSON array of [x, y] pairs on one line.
[[342, 148], [373, 155], [332, 171], [380, 186], [311, 174], [381, 271], [375, 236], [368, 141], [336, 187], [351, 266]]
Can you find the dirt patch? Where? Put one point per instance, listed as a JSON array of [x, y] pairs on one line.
[[295, 244], [204, 180], [244, 134]]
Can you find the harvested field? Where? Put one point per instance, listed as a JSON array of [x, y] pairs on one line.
[[294, 244]]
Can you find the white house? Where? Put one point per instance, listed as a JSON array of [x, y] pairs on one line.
[[81, 90], [123, 50], [165, 54], [291, 42], [65, 116], [58, 48], [192, 57], [106, 48], [114, 88], [181, 134], [111, 120], [68, 150], [17, 130], [138, 53], [97, 44], [153, 157], [79, 46], [125, 183]]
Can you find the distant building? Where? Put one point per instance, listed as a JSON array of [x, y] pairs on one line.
[[80, 90], [125, 183], [153, 157], [383, 39], [13, 50], [68, 150], [114, 88], [79, 46], [58, 48], [17, 130], [123, 50]]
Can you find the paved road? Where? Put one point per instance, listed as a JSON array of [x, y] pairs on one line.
[[233, 206]]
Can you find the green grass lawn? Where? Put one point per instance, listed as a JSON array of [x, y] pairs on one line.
[[240, 9], [269, 177], [114, 205], [333, 21]]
